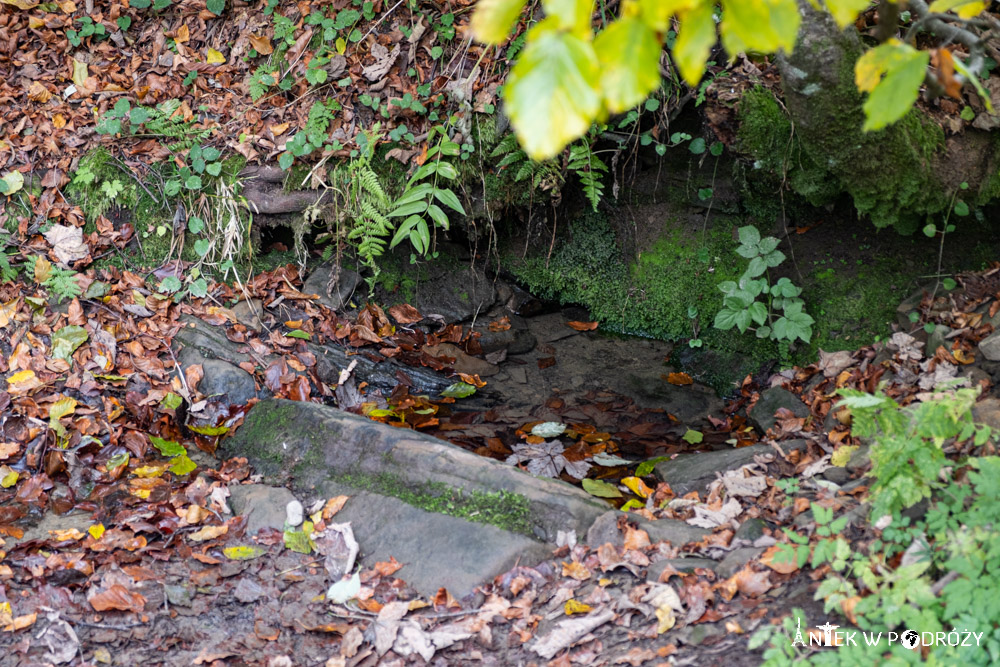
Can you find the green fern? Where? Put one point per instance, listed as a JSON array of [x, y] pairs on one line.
[[259, 82], [318, 123], [589, 169]]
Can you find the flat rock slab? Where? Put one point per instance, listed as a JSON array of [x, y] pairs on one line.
[[695, 472], [316, 450], [435, 550], [762, 414]]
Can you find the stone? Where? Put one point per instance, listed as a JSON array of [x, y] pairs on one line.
[[681, 565], [250, 314], [750, 530], [990, 347], [696, 471], [179, 595], [317, 449], [677, 533], [860, 460], [435, 550], [771, 400], [464, 363], [837, 475], [937, 338], [318, 283], [523, 343], [457, 295], [222, 381], [987, 411], [263, 506], [736, 559], [294, 513]]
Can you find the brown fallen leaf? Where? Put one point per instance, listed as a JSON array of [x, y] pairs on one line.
[[679, 379], [767, 558], [583, 326], [116, 597], [404, 313], [208, 533], [334, 505]]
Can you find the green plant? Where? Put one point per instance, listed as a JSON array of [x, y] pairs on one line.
[[780, 315], [566, 77], [907, 454], [831, 549], [88, 28], [417, 203], [158, 5], [60, 282]]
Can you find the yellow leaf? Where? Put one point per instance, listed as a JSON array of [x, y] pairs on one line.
[[215, 58], [657, 13], [21, 4], [665, 614], [967, 9], [22, 381], [7, 312], [845, 12], [695, 40], [183, 34], [759, 25], [150, 471], [43, 270], [279, 129], [64, 406], [59, 121], [8, 477], [80, 73], [140, 493], [36, 22], [841, 457], [493, 19], [242, 553], [96, 531], [637, 486], [551, 93], [341, 45], [576, 607], [14, 180]]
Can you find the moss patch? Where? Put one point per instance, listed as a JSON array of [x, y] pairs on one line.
[[503, 509]]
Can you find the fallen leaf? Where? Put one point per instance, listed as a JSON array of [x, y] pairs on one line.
[[208, 533], [116, 597], [583, 326], [679, 379], [576, 607], [214, 57]]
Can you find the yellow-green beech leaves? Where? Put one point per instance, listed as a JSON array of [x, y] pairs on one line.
[[494, 18], [845, 12], [759, 25], [551, 99], [657, 13], [891, 74], [695, 40], [964, 8], [629, 55], [572, 15]]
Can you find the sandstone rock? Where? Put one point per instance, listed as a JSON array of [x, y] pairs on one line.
[[771, 400], [694, 472], [464, 363], [340, 297], [316, 448]]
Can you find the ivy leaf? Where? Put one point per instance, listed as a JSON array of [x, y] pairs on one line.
[[891, 74], [216, 6], [694, 42], [299, 333], [493, 19], [550, 93], [629, 54]]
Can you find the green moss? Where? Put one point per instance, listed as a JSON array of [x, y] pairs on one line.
[[503, 509], [99, 183], [654, 294]]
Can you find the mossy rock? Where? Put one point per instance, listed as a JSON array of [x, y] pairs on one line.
[[315, 448]]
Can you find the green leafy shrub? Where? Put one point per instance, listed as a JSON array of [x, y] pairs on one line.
[[780, 315]]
